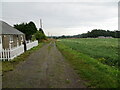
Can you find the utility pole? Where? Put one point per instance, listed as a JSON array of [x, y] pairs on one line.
[[41, 23]]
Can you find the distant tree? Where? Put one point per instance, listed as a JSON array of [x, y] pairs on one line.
[[94, 34], [117, 34], [99, 32], [63, 36]]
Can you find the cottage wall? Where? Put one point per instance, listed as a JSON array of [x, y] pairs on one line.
[[15, 40], [19, 40], [0, 42], [11, 41]]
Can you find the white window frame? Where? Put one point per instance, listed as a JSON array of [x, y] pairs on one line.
[[22, 38]]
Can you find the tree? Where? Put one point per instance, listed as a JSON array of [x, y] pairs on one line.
[[39, 36], [41, 30], [27, 28], [94, 34], [99, 32]]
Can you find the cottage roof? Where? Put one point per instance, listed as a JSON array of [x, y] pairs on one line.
[[7, 29]]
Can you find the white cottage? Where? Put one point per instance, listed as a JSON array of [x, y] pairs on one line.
[[12, 42], [10, 37]]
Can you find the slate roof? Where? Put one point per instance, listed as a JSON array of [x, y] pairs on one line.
[[7, 29]]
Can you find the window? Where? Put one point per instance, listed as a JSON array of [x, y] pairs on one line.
[[11, 38], [21, 38]]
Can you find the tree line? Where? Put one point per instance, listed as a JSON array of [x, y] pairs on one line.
[[30, 31], [94, 34]]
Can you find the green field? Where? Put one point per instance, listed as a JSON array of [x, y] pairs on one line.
[[104, 50], [95, 60]]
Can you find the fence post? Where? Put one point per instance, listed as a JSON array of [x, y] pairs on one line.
[[8, 54]]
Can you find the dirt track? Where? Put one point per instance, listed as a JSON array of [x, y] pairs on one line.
[[45, 68]]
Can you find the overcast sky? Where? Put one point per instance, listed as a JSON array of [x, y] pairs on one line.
[[60, 17]]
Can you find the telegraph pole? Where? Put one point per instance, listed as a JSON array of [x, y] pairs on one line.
[[41, 23]]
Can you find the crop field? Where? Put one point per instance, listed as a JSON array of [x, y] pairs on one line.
[[104, 50], [95, 60]]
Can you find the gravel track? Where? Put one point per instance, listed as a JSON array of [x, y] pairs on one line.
[[45, 68]]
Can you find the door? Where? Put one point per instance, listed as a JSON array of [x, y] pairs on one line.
[[0, 43]]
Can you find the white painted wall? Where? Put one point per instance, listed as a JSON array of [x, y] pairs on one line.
[[32, 44], [0, 43]]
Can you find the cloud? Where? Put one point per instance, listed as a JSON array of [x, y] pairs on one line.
[[60, 0], [64, 18]]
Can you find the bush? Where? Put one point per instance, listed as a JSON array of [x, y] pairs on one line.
[[39, 36]]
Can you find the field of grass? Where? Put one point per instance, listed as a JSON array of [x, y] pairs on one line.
[[10, 65], [89, 58], [104, 50]]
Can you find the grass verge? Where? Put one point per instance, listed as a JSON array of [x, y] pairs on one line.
[[96, 74], [10, 65]]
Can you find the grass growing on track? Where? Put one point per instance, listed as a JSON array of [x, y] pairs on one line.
[[96, 74], [10, 65]]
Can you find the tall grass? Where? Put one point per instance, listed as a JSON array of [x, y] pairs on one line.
[[104, 50]]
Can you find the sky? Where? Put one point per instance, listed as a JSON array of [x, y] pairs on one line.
[[62, 17]]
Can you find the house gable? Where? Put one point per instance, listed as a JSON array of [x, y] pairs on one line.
[[7, 29]]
